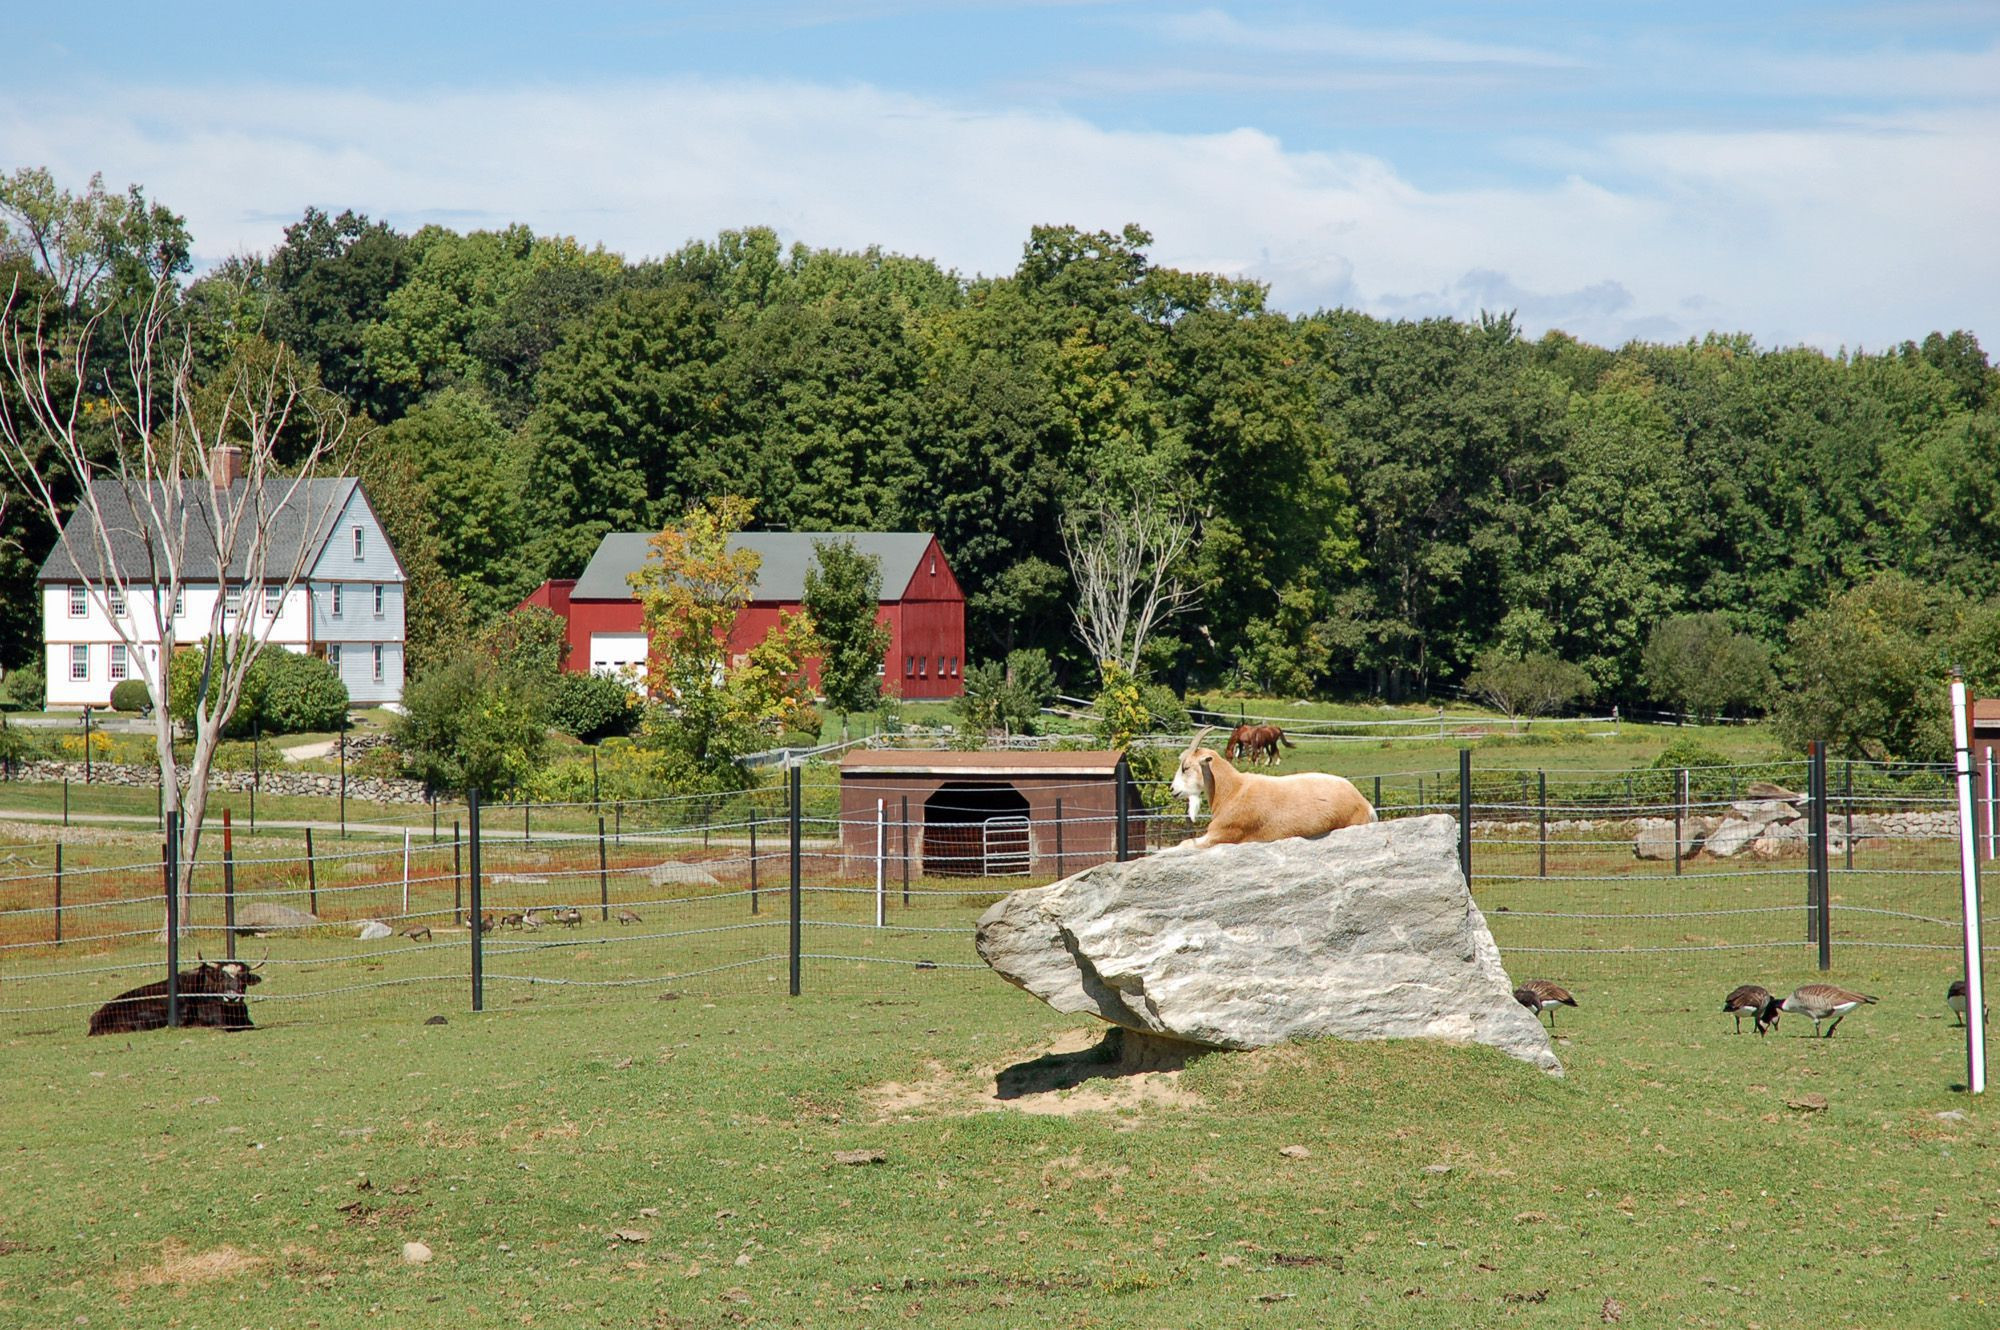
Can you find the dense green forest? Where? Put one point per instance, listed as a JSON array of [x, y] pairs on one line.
[[1380, 501]]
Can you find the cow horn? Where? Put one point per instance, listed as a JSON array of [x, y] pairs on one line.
[[260, 964]]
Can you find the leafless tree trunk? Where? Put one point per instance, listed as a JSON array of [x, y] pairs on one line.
[[1126, 564], [150, 510]]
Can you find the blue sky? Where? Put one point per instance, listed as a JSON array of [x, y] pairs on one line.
[[1821, 173]]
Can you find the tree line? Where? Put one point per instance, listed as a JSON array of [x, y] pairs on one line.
[[1383, 507]]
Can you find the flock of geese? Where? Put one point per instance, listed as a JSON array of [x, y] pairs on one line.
[[1828, 1003]]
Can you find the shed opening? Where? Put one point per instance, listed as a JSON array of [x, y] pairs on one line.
[[974, 829]]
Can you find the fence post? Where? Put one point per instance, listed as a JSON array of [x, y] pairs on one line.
[[1378, 796], [65, 798], [256, 768], [1813, 847], [457, 877], [1680, 814], [1848, 805], [1542, 820], [58, 893], [343, 778], [603, 879], [169, 875], [906, 850], [595, 805], [478, 933], [1822, 886], [1465, 813], [228, 890], [1123, 803], [618, 822], [312, 876], [406, 869], [881, 863], [797, 887], [1059, 838], [753, 856], [526, 835]]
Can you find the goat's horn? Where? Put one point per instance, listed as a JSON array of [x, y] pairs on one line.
[[1199, 735]]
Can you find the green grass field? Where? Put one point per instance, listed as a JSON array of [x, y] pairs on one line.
[[642, 1130]]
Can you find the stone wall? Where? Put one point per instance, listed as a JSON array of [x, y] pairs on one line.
[[374, 789]]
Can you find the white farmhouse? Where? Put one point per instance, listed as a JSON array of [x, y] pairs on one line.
[[347, 605]]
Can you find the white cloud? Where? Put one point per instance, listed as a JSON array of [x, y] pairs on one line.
[[1213, 28], [1860, 234]]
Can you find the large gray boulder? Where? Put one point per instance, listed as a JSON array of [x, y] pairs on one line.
[[265, 916], [1366, 933]]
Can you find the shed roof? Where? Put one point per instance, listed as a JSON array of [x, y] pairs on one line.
[[306, 521], [781, 575], [1006, 765]]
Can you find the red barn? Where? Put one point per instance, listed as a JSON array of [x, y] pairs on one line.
[[922, 604]]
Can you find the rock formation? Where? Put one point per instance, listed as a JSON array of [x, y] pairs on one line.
[[1366, 933]]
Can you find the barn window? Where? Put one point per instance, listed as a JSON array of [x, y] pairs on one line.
[[923, 663], [79, 602], [79, 662], [909, 667]]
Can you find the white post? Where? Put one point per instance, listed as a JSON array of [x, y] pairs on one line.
[[881, 840], [406, 870], [1968, 872]]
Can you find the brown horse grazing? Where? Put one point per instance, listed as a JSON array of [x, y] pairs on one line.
[[1256, 741]]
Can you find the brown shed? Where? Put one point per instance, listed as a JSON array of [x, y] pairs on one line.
[[1985, 726], [989, 814]]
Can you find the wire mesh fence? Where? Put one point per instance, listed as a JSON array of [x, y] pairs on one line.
[[799, 887]]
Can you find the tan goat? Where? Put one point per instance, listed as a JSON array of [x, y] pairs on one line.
[[1250, 807]]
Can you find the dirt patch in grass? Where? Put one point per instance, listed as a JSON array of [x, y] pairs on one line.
[[1080, 1072], [181, 1267]]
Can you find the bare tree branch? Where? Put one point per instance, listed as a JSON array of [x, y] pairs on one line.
[[154, 486], [1126, 566]]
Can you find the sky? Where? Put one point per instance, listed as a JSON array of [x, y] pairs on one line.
[[1824, 174]]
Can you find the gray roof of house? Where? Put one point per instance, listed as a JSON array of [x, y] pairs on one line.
[[307, 521], [781, 576]]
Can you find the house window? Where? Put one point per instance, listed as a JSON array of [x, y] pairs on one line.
[[378, 659], [117, 595], [79, 662], [336, 600], [378, 600], [117, 661], [359, 548], [180, 602], [273, 597], [333, 656], [79, 602], [232, 600]]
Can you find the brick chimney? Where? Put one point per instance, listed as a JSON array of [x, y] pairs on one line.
[[225, 464]]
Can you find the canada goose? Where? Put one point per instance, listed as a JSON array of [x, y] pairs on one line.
[[627, 917], [530, 920], [1820, 1001], [1954, 997], [420, 933], [1750, 1000], [1539, 995], [510, 921]]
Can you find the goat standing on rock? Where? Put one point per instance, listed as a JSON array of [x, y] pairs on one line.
[[1250, 807]]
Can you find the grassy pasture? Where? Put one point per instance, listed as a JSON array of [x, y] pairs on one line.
[[653, 1079]]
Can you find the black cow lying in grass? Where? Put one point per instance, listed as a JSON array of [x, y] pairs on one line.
[[210, 995]]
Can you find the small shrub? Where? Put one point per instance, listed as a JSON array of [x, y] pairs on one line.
[[132, 695], [300, 693], [27, 686], [592, 706]]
